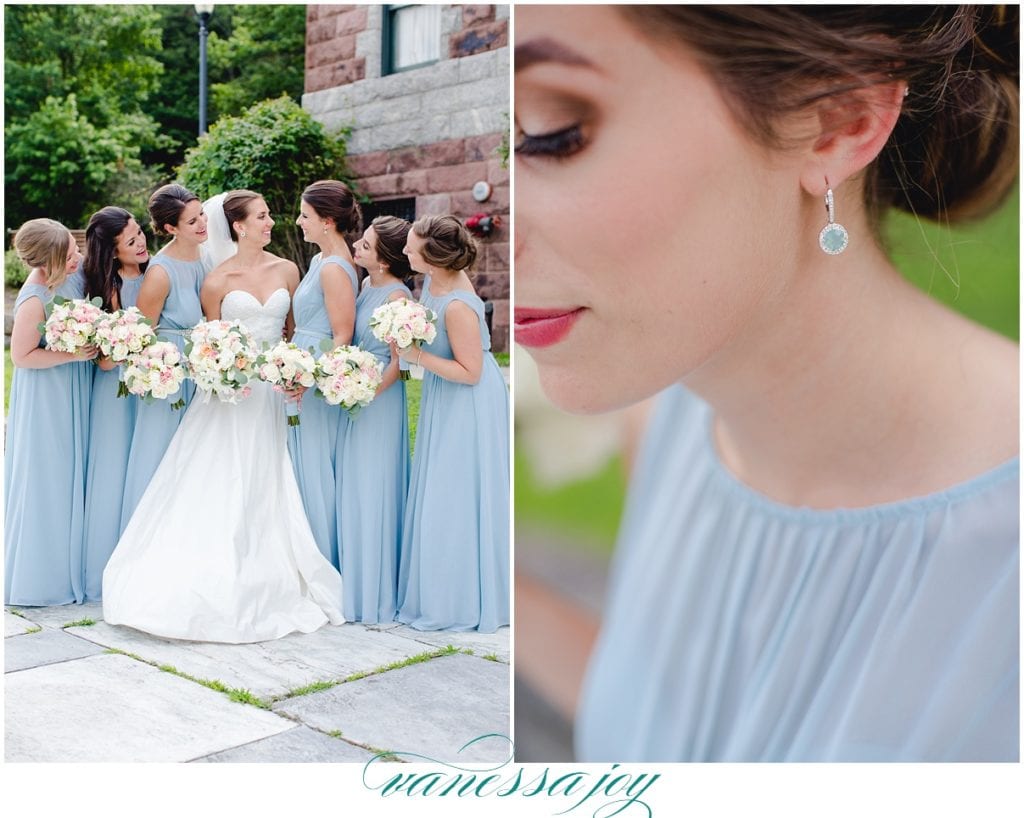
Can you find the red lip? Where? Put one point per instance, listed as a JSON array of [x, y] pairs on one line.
[[542, 328]]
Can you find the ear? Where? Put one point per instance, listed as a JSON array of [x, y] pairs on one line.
[[170, 229], [852, 130]]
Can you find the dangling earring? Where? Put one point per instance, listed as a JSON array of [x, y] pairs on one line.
[[833, 237], [380, 269], [325, 228]]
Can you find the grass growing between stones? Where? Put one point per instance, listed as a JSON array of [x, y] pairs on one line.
[[492, 657], [34, 629], [316, 687], [15, 612], [236, 694], [79, 623]]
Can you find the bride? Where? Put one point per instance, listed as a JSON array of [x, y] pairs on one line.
[[219, 548]]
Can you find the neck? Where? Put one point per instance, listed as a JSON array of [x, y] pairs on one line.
[[249, 252], [335, 245], [444, 279], [133, 270], [382, 278], [182, 249], [838, 393]]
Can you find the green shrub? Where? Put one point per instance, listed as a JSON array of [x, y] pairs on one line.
[[15, 272], [276, 149]]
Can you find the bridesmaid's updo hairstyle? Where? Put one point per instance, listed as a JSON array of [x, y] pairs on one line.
[[166, 204], [236, 208], [392, 233], [335, 200], [102, 267], [447, 244], [44, 243], [953, 153]]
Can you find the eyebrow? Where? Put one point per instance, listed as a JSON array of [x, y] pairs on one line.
[[545, 49]]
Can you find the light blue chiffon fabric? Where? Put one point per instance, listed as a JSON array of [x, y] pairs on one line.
[[312, 444], [373, 477], [156, 422], [111, 423], [739, 629], [44, 473], [454, 561]]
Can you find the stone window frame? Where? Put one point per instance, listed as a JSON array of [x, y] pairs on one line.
[[387, 66]]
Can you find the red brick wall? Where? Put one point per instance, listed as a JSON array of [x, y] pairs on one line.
[[331, 46]]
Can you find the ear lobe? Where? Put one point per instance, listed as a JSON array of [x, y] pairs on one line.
[[853, 129]]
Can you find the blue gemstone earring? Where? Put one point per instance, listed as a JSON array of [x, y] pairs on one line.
[[833, 237]]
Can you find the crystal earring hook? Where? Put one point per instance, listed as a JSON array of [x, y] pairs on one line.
[[833, 237]]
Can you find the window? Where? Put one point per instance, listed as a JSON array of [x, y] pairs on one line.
[[412, 37], [403, 208]]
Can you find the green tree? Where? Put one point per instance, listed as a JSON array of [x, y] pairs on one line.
[[77, 83], [263, 57], [276, 149]]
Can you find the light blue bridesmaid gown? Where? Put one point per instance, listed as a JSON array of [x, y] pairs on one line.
[[156, 422], [454, 562], [44, 474], [740, 629], [111, 423], [313, 442], [373, 477]]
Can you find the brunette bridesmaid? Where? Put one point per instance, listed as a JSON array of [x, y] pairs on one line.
[[324, 307], [47, 432], [454, 568], [169, 297], [373, 447], [115, 261]]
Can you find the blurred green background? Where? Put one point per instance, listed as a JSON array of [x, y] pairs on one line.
[[974, 269]]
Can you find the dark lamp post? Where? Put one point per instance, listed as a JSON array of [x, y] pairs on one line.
[[204, 10]]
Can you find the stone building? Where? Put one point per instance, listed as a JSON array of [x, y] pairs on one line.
[[425, 92]]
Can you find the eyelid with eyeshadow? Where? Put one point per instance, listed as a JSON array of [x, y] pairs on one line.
[[558, 144]]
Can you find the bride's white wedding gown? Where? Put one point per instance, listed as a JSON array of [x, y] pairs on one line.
[[219, 548]]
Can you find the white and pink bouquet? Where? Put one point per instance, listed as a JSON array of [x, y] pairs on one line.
[[403, 322], [71, 324], [287, 366], [155, 373], [221, 359], [348, 376], [123, 334]]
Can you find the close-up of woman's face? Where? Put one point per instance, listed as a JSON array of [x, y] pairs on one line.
[[414, 251], [257, 224], [74, 256], [192, 223], [364, 252], [650, 227], [130, 247]]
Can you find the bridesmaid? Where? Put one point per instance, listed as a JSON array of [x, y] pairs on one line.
[[115, 261], [454, 568], [169, 297], [373, 447], [324, 307], [47, 428]]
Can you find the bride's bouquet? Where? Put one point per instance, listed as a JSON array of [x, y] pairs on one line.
[[403, 322], [121, 335], [287, 366], [155, 373], [71, 323], [348, 376], [221, 359]]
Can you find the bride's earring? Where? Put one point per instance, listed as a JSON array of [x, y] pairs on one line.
[[833, 237], [242, 234]]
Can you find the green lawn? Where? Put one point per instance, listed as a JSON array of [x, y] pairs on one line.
[[974, 269], [8, 374]]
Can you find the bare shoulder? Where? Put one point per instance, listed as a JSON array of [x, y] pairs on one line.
[[286, 268], [990, 364]]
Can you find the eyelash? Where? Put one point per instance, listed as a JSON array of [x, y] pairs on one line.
[[556, 145]]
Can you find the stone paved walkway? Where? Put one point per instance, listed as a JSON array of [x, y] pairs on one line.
[[78, 689]]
